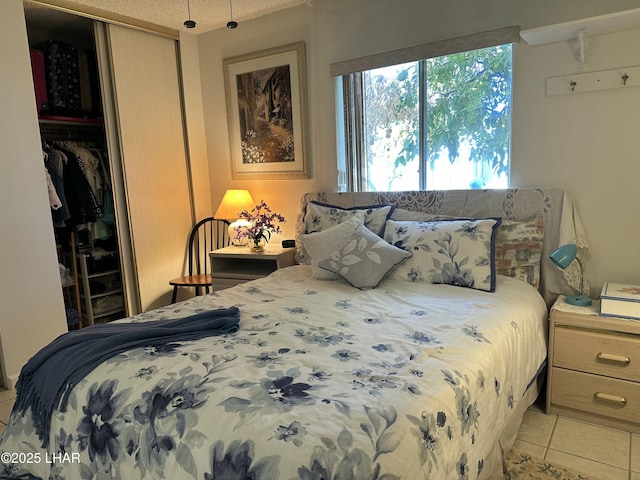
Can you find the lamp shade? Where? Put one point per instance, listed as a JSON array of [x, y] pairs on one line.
[[234, 202], [563, 257]]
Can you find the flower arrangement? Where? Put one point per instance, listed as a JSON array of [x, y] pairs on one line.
[[262, 223]]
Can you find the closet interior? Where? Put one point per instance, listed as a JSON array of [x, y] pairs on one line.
[[77, 166]]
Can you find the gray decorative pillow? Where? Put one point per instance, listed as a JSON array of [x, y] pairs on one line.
[[364, 259], [320, 216], [319, 245], [457, 252]]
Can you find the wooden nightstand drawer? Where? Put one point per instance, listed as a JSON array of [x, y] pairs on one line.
[[618, 399], [597, 352], [595, 374]]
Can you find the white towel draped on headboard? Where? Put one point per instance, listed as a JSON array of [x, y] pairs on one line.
[[562, 222]]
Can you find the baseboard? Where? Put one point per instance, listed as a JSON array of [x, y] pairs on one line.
[[11, 381]]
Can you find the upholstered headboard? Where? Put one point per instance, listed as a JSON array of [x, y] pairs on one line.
[[562, 222]]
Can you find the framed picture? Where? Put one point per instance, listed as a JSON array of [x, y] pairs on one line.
[[267, 110]]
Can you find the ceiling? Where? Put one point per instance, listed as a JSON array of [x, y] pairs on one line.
[[208, 14]]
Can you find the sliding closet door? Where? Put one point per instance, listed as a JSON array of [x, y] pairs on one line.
[[148, 109]]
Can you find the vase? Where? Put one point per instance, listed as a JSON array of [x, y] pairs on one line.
[[256, 244]]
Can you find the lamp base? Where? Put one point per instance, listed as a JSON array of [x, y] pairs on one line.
[[579, 300], [235, 232]]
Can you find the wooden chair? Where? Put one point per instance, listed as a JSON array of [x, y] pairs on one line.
[[207, 235]]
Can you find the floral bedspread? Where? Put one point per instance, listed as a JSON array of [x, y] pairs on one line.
[[321, 381]]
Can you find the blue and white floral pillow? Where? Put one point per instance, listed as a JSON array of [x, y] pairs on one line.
[[456, 252], [364, 259], [320, 216]]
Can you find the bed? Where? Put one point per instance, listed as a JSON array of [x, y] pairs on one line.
[[347, 377]]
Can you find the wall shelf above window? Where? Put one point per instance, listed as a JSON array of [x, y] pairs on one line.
[[560, 32]]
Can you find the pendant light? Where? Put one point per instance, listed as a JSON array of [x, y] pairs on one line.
[[231, 24], [189, 23]]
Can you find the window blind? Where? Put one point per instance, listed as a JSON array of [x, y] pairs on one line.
[[474, 41]]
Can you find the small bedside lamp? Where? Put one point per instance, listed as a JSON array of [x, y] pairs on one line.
[[563, 257], [234, 202]]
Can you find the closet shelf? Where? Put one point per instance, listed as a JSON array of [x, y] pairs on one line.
[[107, 294], [103, 273], [73, 121], [108, 313], [92, 308], [612, 22]]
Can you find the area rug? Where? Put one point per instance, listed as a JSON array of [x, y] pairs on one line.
[[522, 466]]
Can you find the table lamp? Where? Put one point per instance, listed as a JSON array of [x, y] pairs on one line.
[[563, 257], [234, 202]]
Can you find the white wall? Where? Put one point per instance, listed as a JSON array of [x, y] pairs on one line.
[[586, 143], [288, 26], [582, 143], [31, 307]]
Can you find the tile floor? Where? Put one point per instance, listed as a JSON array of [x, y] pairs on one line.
[[603, 453], [7, 398]]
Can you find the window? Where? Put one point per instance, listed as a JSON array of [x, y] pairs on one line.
[[440, 123]]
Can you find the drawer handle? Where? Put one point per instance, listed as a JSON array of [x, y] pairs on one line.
[[613, 358], [610, 398]]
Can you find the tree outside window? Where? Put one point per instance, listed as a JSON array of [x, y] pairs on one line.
[[439, 123]]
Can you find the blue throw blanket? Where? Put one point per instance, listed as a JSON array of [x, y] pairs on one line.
[[49, 376]]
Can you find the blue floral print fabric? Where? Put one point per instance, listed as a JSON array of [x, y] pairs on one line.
[[456, 252], [322, 380]]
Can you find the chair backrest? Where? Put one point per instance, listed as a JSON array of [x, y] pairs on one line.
[[207, 235]]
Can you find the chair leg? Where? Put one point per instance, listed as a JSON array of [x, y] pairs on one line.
[[175, 294]]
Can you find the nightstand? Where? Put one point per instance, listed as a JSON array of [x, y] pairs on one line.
[[237, 264], [594, 367]]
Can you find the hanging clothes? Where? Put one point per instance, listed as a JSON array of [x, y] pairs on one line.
[[92, 167], [54, 161], [83, 205], [77, 174], [54, 201], [105, 226]]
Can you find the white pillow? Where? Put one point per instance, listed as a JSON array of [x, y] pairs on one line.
[[319, 245]]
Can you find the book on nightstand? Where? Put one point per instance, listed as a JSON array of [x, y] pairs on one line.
[[619, 300]]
